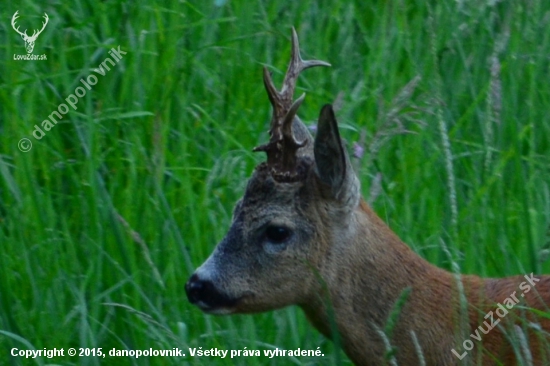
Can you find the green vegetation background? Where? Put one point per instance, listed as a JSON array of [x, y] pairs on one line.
[[103, 221]]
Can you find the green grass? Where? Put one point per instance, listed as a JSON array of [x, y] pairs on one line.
[[103, 221]]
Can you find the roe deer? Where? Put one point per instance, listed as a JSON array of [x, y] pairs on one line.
[[302, 235]]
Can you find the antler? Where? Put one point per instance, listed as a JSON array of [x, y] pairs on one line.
[[282, 146], [13, 19], [24, 34], [35, 34]]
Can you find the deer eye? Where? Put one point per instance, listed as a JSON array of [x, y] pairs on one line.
[[277, 234]]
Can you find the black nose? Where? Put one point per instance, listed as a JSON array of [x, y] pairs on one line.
[[198, 290], [206, 293]]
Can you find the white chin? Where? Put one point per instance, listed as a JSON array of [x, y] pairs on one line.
[[215, 311]]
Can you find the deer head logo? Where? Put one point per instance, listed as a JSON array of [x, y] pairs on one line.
[[29, 41]]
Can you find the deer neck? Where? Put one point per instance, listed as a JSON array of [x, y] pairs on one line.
[[366, 276]]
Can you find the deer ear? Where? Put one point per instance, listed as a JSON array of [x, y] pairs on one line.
[[332, 162]]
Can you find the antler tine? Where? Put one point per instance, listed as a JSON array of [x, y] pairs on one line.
[[295, 67], [13, 20], [287, 125], [274, 97], [35, 32], [274, 131], [46, 18]]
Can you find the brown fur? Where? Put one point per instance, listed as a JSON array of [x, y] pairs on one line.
[[388, 266]]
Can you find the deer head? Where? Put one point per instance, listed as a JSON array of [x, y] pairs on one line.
[[29, 40], [294, 205]]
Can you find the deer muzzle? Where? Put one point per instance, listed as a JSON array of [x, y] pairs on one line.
[[204, 294]]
